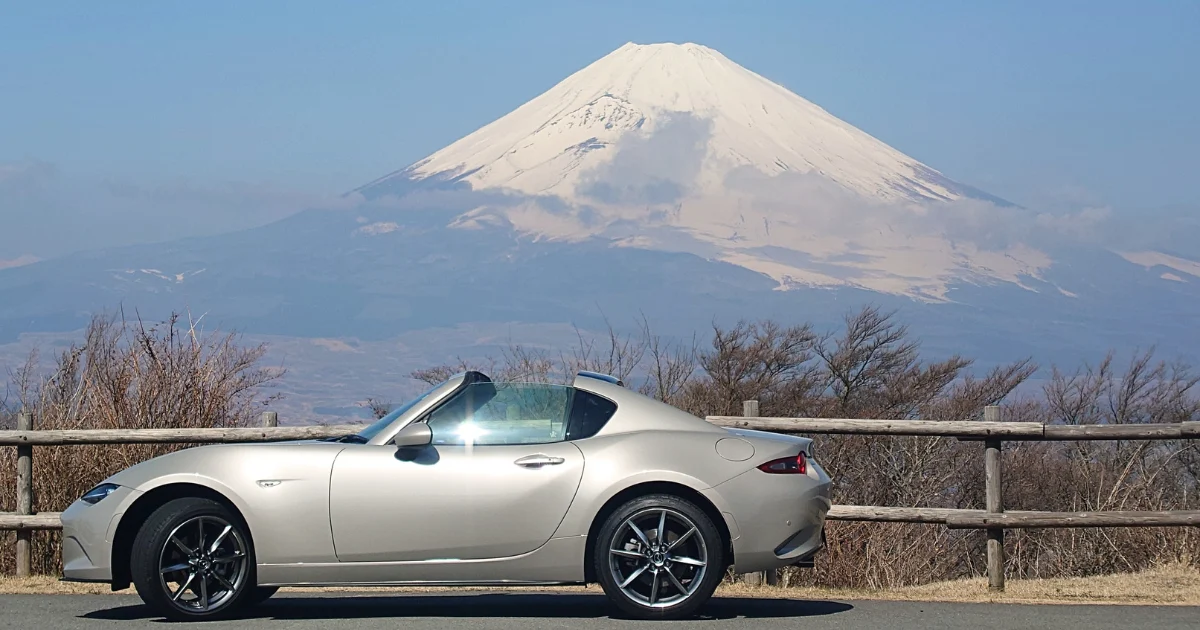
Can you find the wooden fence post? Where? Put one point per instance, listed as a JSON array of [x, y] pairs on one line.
[[995, 503], [750, 410], [24, 497], [270, 418]]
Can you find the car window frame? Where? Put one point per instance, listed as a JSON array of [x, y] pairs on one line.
[[576, 392], [434, 399], [445, 400]]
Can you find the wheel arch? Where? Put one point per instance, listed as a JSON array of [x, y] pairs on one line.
[[644, 489], [141, 509]]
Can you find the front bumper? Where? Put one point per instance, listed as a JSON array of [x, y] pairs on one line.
[[88, 532]]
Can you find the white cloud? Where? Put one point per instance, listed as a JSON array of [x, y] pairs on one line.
[[1087, 224], [375, 229], [19, 261]]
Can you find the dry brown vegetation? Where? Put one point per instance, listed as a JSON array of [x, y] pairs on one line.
[[123, 375], [871, 367], [1171, 584]]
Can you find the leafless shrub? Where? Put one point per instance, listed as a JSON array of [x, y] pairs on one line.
[[765, 361], [518, 363], [1108, 475], [439, 373], [125, 375], [619, 356], [871, 367], [529, 364], [616, 354], [378, 408], [671, 368]]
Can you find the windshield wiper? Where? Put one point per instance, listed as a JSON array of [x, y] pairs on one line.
[[353, 438]]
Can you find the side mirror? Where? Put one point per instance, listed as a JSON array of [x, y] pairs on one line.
[[415, 434]]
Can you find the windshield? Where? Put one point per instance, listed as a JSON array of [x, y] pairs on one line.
[[380, 424]]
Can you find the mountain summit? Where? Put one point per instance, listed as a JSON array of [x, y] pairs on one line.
[[560, 142], [662, 182], [673, 147]]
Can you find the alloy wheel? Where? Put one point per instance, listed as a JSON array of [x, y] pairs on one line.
[[658, 558], [203, 564]]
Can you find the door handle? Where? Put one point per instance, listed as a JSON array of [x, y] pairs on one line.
[[537, 461]]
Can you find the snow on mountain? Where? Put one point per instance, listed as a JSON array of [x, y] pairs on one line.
[[1150, 260], [550, 144], [141, 275], [674, 147]]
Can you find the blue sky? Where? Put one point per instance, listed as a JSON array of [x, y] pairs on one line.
[[1046, 103]]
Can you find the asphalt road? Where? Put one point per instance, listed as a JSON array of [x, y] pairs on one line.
[[530, 611]]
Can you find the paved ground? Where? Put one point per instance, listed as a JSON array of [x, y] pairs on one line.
[[530, 611]]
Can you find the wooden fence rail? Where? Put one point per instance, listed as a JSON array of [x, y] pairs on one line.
[[993, 432], [950, 517], [965, 429]]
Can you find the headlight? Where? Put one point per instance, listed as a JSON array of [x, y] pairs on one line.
[[94, 495]]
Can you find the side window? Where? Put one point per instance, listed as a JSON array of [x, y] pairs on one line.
[[589, 413], [503, 413]]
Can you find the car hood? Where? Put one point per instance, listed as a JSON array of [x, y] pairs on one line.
[[223, 460]]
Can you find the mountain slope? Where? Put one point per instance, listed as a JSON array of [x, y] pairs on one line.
[[555, 143], [673, 147], [663, 181]]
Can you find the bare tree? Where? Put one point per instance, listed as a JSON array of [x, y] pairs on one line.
[[378, 408], [171, 374], [528, 364], [759, 360], [124, 375], [672, 366], [439, 373], [619, 355]]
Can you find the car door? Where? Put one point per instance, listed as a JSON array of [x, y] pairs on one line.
[[496, 481]]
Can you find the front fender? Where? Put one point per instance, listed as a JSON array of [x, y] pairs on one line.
[[281, 490]]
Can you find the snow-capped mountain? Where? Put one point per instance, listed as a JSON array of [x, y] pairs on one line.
[[662, 182], [674, 147], [557, 143]]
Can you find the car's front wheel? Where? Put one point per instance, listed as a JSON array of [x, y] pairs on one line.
[[659, 557], [192, 559]]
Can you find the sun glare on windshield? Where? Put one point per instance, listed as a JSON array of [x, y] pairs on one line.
[[469, 432]]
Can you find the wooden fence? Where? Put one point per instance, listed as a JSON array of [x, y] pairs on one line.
[[991, 431]]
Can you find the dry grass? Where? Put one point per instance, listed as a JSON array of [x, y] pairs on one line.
[[1171, 584], [46, 585], [1175, 584]]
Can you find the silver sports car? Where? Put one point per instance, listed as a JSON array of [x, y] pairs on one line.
[[473, 483]]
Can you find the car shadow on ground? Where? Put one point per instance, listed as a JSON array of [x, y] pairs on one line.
[[520, 605]]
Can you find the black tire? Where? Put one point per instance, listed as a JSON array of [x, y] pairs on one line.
[[663, 573], [193, 520]]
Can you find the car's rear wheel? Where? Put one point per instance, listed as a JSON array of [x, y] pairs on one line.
[[192, 559], [659, 557]]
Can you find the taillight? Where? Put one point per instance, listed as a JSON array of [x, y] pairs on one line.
[[786, 466]]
